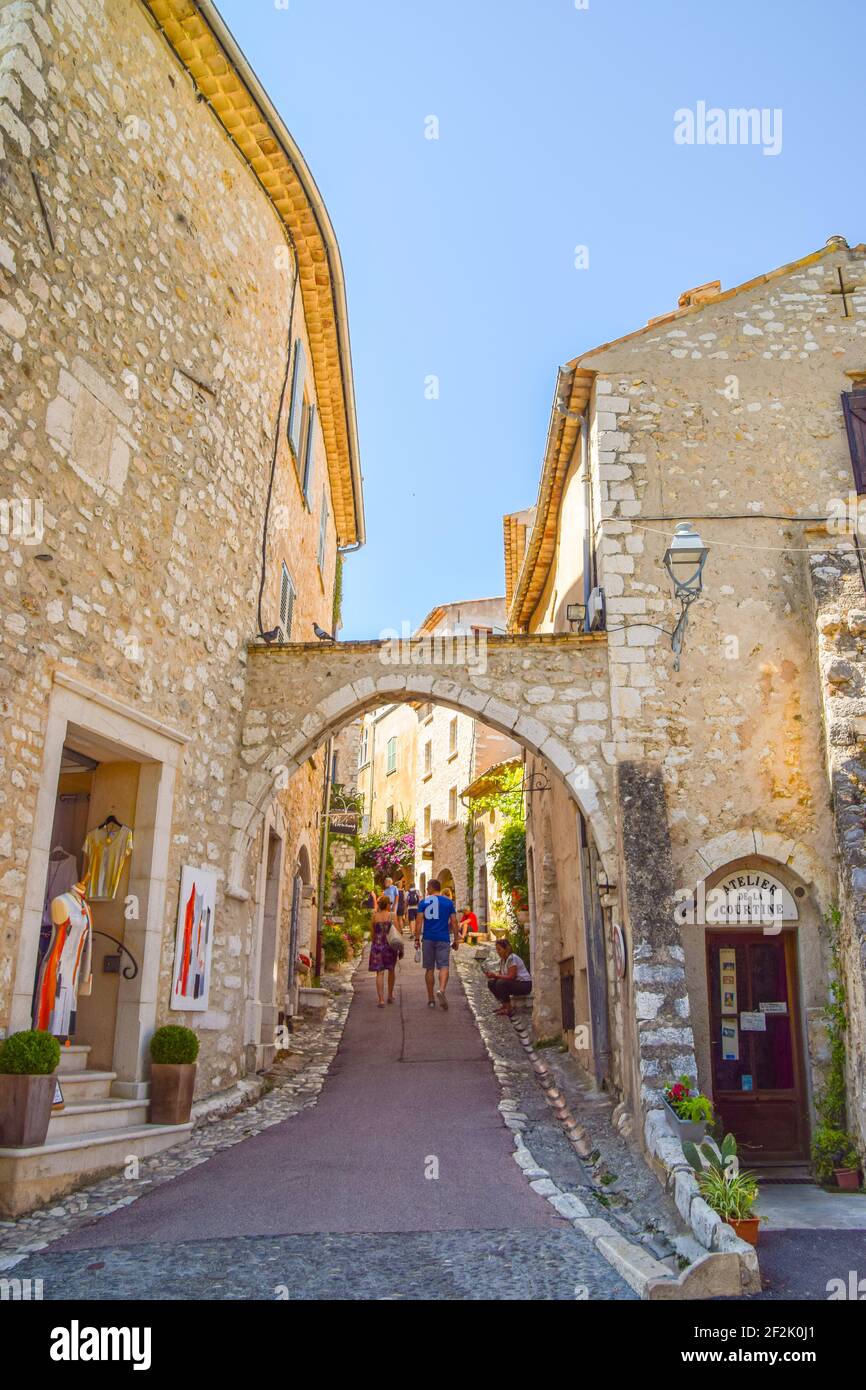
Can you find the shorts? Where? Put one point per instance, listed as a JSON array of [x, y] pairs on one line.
[[413, 913], [436, 955]]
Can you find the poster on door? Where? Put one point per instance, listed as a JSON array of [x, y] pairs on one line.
[[194, 941], [730, 1040], [728, 979]]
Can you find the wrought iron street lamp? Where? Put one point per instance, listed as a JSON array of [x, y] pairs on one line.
[[684, 561]]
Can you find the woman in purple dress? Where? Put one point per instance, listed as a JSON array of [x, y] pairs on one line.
[[383, 956]]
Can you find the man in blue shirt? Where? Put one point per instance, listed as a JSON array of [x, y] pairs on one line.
[[437, 915]]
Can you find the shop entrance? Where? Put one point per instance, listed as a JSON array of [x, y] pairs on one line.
[[756, 1044], [103, 818]]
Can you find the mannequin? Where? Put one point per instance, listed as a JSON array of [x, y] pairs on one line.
[[66, 969]]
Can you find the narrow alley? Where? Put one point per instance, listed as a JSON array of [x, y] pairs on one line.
[[416, 1191]]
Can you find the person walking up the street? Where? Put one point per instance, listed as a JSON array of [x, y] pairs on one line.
[[390, 891], [511, 979], [401, 908], [383, 956], [437, 916], [413, 897]]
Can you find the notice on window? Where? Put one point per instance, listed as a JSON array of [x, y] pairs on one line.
[[730, 1040], [753, 1023], [728, 979]]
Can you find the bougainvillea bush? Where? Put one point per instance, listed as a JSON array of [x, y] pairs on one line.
[[388, 852]]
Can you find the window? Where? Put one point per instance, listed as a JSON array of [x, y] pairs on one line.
[[307, 448], [452, 736], [323, 530], [428, 823], [296, 408], [389, 817], [428, 758], [854, 411], [423, 885], [363, 748], [287, 602], [425, 711], [392, 755], [452, 805]]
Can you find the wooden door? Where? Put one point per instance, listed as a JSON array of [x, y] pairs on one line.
[[756, 1044]]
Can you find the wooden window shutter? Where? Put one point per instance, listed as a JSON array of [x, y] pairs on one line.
[[308, 453], [296, 409], [854, 411], [287, 603]]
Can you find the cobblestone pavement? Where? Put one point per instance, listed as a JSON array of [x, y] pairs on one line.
[[332, 1203], [555, 1264], [613, 1181]]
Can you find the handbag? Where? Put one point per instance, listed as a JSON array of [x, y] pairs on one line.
[[394, 938]]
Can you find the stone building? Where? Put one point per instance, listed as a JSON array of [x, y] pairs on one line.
[[181, 468], [386, 765], [740, 772], [417, 760]]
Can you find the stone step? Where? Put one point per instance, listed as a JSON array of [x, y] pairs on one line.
[[74, 1057], [31, 1177], [95, 1116], [86, 1085]]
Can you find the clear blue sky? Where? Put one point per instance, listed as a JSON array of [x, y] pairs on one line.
[[555, 129]]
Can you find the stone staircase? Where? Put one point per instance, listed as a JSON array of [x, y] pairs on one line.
[[94, 1134]]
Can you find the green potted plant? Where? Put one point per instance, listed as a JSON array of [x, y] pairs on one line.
[[28, 1061], [834, 1155], [173, 1053], [726, 1189], [689, 1112]]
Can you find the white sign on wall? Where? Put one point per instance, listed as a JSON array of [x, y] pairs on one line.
[[748, 898]]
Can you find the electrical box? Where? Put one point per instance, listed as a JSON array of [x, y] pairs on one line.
[[595, 611]]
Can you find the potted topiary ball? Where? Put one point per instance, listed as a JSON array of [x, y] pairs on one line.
[[27, 1064], [173, 1051]]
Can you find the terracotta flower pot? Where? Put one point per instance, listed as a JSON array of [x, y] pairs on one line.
[[171, 1088], [747, 1228], [25, 1110], [847, 1178]]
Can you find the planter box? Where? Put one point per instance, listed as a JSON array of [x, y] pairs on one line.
[[312, 999], [694, 1130], [25, 1110], [171, 1088]]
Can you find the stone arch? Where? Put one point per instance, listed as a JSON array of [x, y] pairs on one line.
[[276, 746], [727, 849], [304, 864]]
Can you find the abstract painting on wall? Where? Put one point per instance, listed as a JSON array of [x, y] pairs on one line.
[[194, 942]]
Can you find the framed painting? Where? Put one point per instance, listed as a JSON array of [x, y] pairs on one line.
[[194, 941]]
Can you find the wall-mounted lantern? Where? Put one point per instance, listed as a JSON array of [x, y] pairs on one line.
[[684, 561]]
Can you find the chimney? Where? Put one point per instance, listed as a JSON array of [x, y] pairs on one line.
[[700, 294]]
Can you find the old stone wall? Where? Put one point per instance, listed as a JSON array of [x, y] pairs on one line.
[[733, 411], [542, 691], [144, 306], [840, 622]]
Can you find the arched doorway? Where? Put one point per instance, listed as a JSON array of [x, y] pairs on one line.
[[263, 1008], [299, 919], [446, 880], [753, 962]]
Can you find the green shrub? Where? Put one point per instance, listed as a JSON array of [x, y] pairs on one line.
[[29, 1053], [335, 945], [174, 1045], [832, 1149]]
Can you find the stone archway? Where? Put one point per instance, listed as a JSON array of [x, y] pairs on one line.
[[548, 692]]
